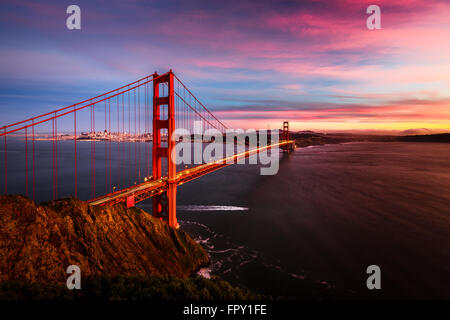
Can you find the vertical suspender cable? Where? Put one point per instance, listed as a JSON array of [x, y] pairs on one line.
[[34, 185], [75, 146], [26, 162], [6, 164]]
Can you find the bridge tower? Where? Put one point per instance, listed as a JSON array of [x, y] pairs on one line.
[[285, 130], [286, 136], [164, 205]]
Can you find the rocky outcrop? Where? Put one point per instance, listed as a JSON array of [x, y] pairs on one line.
[[39, 242]]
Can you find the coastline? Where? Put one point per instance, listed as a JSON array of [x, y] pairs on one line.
[[313, 139]]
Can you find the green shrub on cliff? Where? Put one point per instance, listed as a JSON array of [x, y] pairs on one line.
[[128, 288]]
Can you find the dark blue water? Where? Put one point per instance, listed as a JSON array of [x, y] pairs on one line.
[[312, 229], [329, 213]]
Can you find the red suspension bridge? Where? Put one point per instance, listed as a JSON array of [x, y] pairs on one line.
[[117, 147]]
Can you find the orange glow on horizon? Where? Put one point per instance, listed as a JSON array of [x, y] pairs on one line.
[[296, 125]]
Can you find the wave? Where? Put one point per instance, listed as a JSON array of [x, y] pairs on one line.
[[210, 208], [205, 273], [228, 257], [201, 208]]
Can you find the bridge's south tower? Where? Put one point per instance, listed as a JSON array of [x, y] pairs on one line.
[[164, 205]]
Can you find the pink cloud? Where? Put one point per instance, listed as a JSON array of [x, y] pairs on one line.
[[316, 52]]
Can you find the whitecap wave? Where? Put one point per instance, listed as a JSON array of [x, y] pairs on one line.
[[205, 273], [210, 208]]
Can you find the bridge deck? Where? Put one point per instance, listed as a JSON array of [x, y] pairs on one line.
[[149, 189]]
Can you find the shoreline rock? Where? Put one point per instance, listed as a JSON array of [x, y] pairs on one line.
[[39, 241]]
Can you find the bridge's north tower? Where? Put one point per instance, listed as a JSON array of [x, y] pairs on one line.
[[285, 136]]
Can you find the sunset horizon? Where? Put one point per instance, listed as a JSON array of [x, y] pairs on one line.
[[317, 65]]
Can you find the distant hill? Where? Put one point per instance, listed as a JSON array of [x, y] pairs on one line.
[[423, 131], [304, 139], [442, 137]]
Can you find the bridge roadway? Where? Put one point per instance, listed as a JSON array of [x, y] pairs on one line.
[[149, 189]]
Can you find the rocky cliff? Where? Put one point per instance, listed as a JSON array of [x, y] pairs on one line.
[[38, 242]]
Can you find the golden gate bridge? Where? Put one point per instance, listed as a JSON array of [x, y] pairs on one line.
[[119, 125]]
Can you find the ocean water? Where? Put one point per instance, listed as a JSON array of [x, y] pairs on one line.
[[329, 213], [309, 231]]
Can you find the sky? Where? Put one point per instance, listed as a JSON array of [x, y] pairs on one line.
[[253, 63]]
